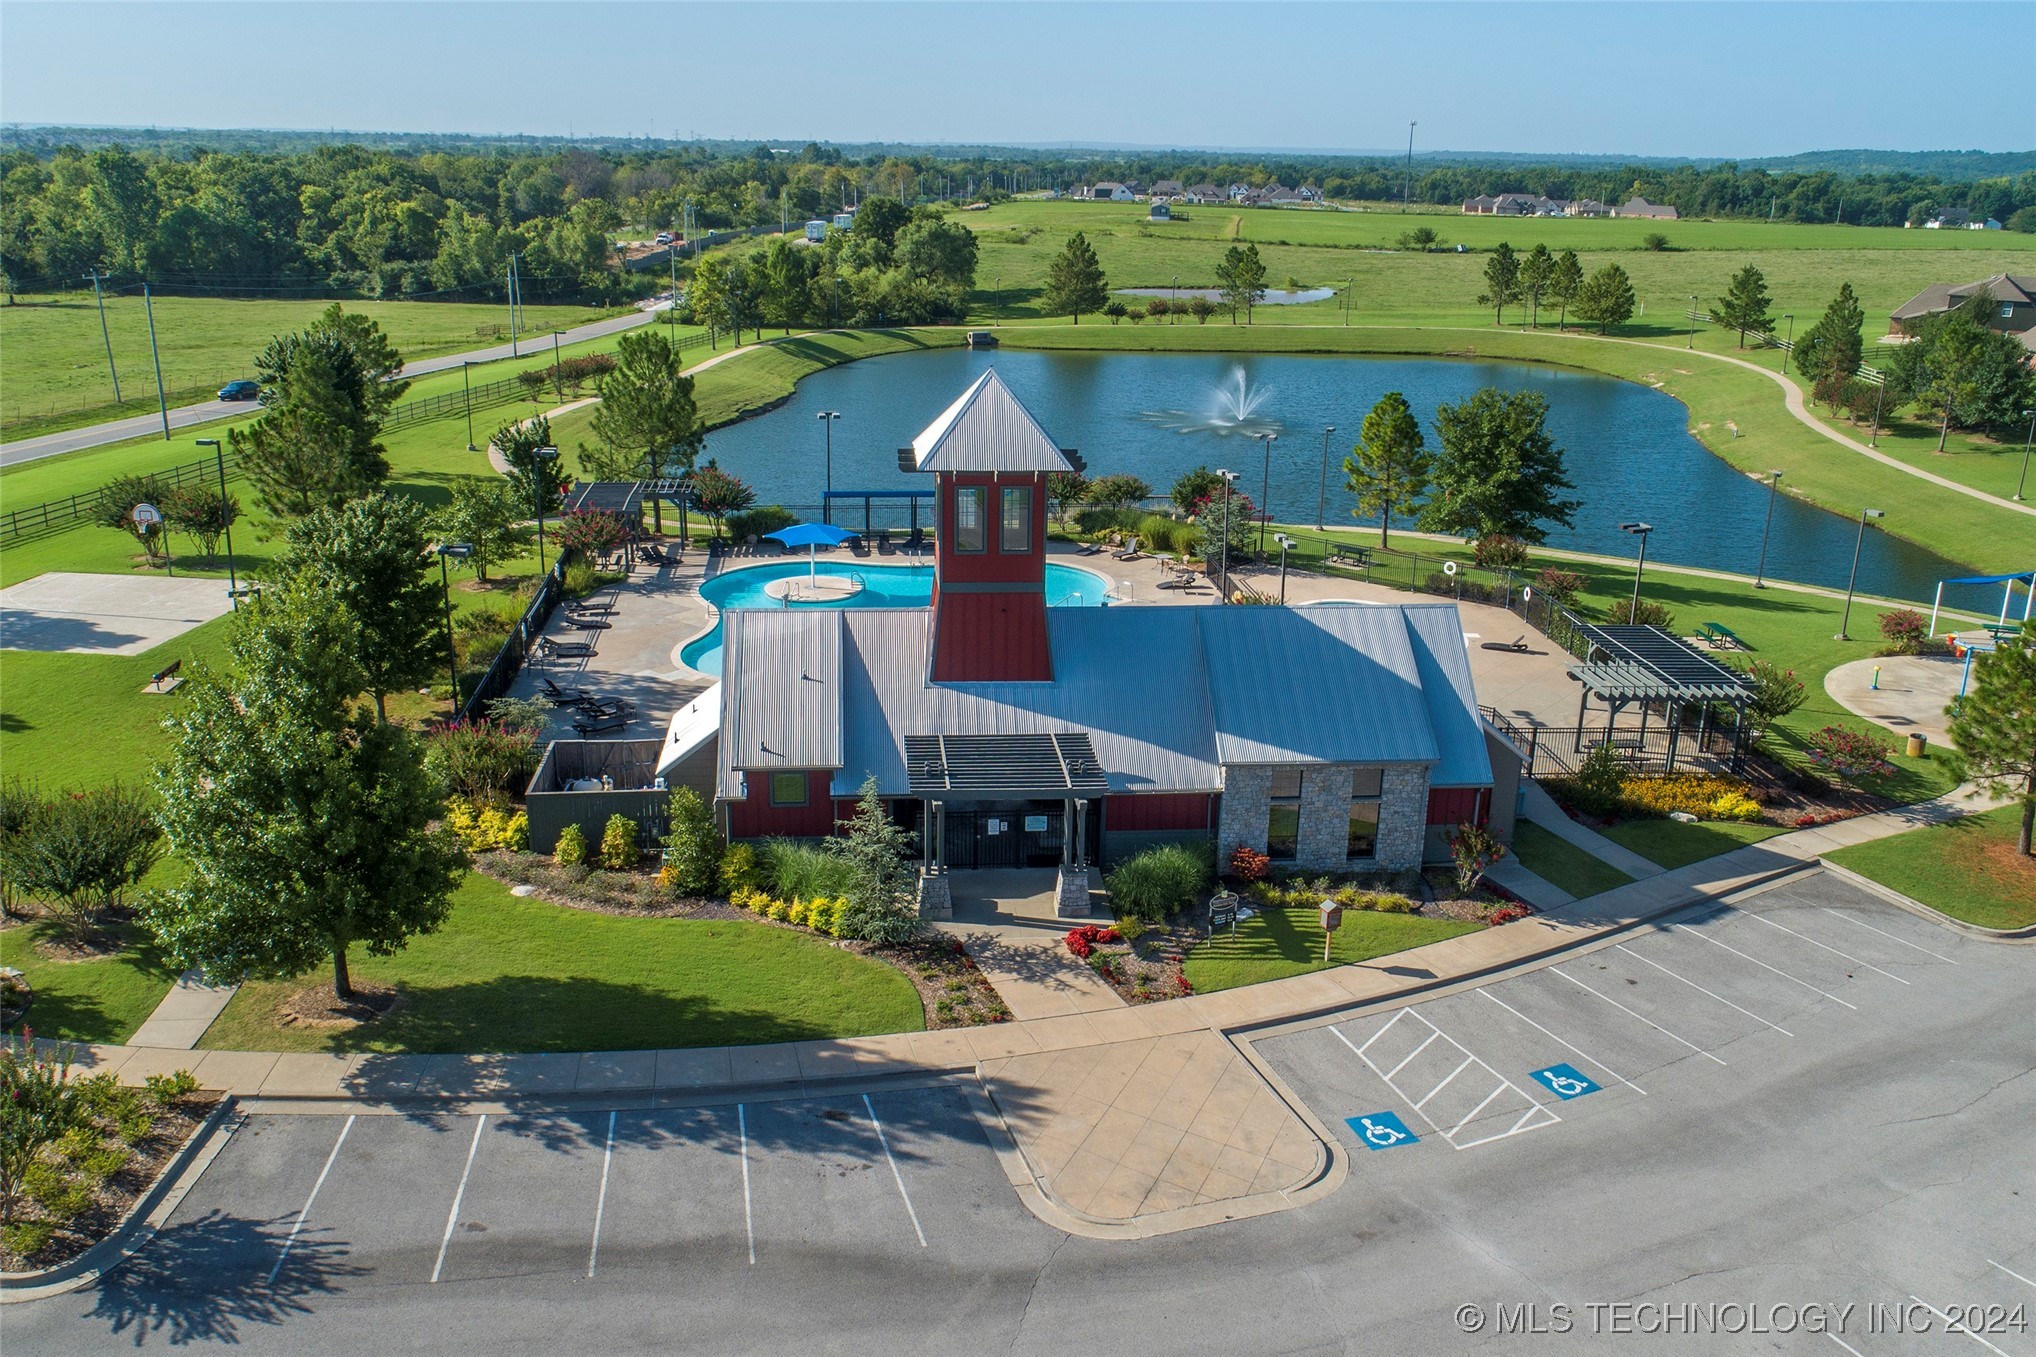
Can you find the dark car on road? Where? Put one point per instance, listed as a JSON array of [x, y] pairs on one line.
[[240, 391]]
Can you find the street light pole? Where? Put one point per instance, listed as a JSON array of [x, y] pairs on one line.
[[1407, 193], [1845, 619], [1265, 489], [540, 487], [1349, 285], [1223, 559], [1693, 322], [1322, 491], [558, 378], [1761, 570], [458, 551], [1286, 545], [2026, 439], [827, 418], [226, 517], [467, 388], [1173, 307], [1639, 530], [1879, 394], [1788, 342]]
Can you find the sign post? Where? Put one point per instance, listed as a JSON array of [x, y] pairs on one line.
[[1222, 910], [1332, 919]]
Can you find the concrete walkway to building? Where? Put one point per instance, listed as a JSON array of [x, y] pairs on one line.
[[1913, 693], [183, 1015], [1537, 891], [1006, 921], [1542, 810]]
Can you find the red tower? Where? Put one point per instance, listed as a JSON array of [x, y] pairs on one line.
[[990, 460]]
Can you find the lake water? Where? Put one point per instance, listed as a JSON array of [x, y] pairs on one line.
[[1627, 447]]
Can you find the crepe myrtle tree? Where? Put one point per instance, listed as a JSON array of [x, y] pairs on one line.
[[306, 823]]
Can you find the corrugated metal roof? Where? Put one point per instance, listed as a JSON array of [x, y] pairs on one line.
[[1314, 685], [986, 429], [1130, 678], [781, 689], [692, 726], [1436, 630]]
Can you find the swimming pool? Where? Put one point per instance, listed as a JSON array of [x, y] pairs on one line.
[[884, 586]]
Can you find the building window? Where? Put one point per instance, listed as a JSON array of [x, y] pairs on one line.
[[2007, 310], [788, 789], [1283, 818], [968, 518], [1016, 534], [1362, 839]]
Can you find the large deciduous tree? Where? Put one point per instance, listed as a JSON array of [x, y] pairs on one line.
[[647, 417], [1502, 282], [1994, 726], [1499, 470], [1744, 307], [370, 558], [1605, 298], [306, 824], [1963, 371], [483, 512], [1074, 281], [1389, 466]]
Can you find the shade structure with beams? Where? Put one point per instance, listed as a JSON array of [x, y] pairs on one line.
[[811, 536], [1636, 664]]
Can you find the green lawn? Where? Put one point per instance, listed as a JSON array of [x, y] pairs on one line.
[[507, 974], [1562, 864], [1276, 943], [97, 1001], [56, 376], [1967, 868], [1672, 844]]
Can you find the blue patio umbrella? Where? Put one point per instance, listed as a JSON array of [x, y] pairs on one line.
[[811, 536]]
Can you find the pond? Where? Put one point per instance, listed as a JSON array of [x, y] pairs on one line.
[[882, 586], [1627, 447]]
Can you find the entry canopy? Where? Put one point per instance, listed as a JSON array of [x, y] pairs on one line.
[[998, 766]]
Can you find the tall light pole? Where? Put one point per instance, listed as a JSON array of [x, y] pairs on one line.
[[1223, 559], [1879, 394], [1760, 570], [2026, 439], [558, 378], [1322, 491], [1407, 193], [1349, 286], [1788, 341], [1173, 305], [458, 551], [540, 490], [1286, 545], [467, 388], [1265, 488], [1693, 322], [226, 517], [107, 335], [1846, 619], [162, 401], [1639, 530], [827, 418]]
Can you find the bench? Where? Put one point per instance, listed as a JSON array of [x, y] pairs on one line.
[[1721, 636], [1358, 556], [165, 680]]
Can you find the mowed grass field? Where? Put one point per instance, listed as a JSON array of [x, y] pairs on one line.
[[54, 369]]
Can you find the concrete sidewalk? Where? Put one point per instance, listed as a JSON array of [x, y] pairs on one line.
[[183, 1015]]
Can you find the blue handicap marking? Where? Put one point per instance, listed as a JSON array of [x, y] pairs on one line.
[[1565, 1081], [1381, 1130]]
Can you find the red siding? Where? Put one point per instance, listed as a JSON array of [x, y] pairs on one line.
[[756, 817], [991, 637], [1157, 810], [1458, 805]]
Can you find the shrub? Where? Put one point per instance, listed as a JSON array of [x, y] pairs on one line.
[[878, 853], [582, 577], [693, 848], [1509, 914], [1654, 240], [618, 843], [79, 851], [1159, 881], [1473, 849], [1094, 521], [483, 761], [739, 869], [788, 867], [481, 828], [27, 1238], [1118, 492], [1600, 783], [1851, 754], [1903, 630], [572, 847], [591, 531], [1247, 864], [1776, 691], [1704, 795], [1652, 614], [1561, 585], [1496, 551], [40, 1105], [759, 522]]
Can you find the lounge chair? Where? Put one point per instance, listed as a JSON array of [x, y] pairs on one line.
[[567, 650], [603, 707], [858, 547], [1130, 552], [916, 542], [564, 697], [583, 608], [884, 547], [597, 725], [1516, 646], [578, 623], [1089, 549]]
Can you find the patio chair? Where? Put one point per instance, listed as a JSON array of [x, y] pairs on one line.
[[579, 623], [915, 543], [564, 697], [568, 650], [597, 725], [884, 547], [1089, 549], [1130, 552]]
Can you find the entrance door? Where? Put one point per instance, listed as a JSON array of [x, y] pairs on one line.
[[999, 842], [958, 838]]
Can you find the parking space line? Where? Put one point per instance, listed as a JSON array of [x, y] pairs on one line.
[[601, 1201], [1517, 1127], [1474, 1111], [1843, 1344], [1827, 947], [1390, 1025], [1701, 990], [1445, 1080], [1765, 967], [748, 1216], [1884, 933], [2012, 1273], [1623, 1009], [896, 1176], [305, 1213], [1560, 1042], [452, 1217], [1953, 1326], [1410, 1055]]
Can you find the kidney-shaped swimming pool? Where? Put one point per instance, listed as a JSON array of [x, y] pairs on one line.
[[883, 586]]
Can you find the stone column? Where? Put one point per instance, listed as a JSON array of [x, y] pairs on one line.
[[1071, 892], [936, 896]]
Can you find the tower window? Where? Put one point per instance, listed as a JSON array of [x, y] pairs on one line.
[[1016, 534], [969, 528]]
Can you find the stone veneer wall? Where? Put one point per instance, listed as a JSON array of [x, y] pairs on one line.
[[1325, 799]]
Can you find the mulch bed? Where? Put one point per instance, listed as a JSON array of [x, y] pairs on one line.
[[953, 991], [1147, 969], [317, 1006]]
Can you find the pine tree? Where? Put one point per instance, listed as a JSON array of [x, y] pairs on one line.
[[1502, 281], [647, 414], [1389, 465], [1241, 277], [1606, 298], [1994, 726], [1564, 285], [1744, 307], [879, 856], [1074, 281], [1537, 271], [1832, 348]]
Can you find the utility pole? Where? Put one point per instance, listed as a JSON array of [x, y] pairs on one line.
[[162, 401], [509, 295], [558, 378], [1407, 194], [106, 335]]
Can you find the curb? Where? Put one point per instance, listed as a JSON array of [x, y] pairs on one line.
[[2026, 933], [141, 1222]]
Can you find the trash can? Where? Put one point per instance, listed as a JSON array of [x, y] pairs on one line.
[[1917, 739]]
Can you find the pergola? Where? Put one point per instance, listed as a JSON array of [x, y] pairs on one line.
[[1040, 767], [1626, 665]]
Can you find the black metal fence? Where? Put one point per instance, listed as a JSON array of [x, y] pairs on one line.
[[427, 408], [1559, 751], [515, 651], [59, 515]]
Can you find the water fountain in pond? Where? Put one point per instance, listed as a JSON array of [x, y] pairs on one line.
[[1233, 409]]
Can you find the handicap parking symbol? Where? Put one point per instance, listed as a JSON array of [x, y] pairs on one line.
[[1565, 1081], [1381, 1130]]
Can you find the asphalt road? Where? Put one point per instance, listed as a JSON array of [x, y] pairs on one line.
[[1805, 1101], [184, 416]]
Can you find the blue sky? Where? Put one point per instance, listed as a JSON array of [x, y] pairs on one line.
[[1722, 79]]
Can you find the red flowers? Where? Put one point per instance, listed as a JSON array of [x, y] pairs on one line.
[[1082, 941], [1247, 864], [1508, 915]]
